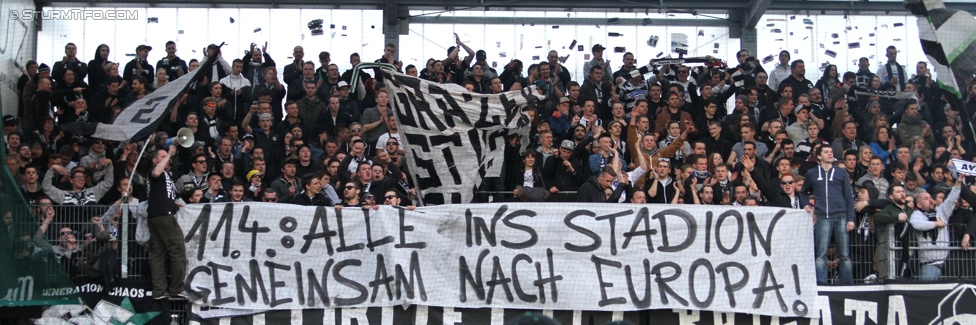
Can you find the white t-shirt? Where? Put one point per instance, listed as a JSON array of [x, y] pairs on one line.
[[381, 141]]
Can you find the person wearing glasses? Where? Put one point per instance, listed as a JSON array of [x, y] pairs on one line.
[[785, 196], [197, 177], [393, 198], [269, 195], [350, 195], [393, 133], [313, 193], [68, 249], [394, 151], [254, 185]]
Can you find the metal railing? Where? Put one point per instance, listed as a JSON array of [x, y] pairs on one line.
[[893, 252], [75, 238]]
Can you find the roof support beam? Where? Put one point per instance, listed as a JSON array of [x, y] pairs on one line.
[[755, 11]]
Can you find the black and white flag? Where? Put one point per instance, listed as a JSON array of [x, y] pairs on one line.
[[947, 39], [454, 138], [888, 94], [141, 118]]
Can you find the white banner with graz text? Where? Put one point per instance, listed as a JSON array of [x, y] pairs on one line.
[[599, 257]]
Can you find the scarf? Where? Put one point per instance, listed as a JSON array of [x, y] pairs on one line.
[[933, 234], [701, 174], [679, 154]]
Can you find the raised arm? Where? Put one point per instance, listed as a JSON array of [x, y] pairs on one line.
[[163, 161], [56, 194], [246, 124]]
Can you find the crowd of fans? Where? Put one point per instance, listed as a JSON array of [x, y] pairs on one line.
[[317, 137]]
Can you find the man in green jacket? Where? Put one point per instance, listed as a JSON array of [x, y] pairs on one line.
[[896, 213]]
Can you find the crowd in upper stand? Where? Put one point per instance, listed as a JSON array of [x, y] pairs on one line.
[[671, 135]]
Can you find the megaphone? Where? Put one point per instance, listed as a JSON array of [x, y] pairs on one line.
[[184, 138]]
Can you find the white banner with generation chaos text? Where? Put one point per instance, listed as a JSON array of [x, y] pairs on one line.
[[601, 257]]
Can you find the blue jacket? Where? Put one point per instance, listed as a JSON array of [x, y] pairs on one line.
[[559, 125], [832, 192]]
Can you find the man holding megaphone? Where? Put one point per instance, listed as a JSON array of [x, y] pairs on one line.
[[165, 235]]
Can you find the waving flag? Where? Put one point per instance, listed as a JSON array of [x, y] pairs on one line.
[[454, 138], [949, 41], [141, 118]]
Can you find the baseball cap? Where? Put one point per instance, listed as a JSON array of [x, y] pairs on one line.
[[568, 144], [799, 107], [564, 100], [143, 47], [598, 47], [481, 54], [9, 120], [342, 84]]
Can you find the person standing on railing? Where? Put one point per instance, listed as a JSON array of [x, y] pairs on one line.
[[929, 222], [165, 235], [834, 213]]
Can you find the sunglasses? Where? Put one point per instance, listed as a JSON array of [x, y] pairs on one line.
[[270, 199], [390, 197], [397, 144], [786, 183], [200, 162], [68, 232], [350, 187], [211, 104], [355, 130]]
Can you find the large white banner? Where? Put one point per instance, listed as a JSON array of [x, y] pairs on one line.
[[453, 137], [598, 257]]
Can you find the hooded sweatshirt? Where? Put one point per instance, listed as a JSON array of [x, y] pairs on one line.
[[831, 190]]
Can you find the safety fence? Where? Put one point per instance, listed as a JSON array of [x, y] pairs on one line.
[[897, 252]]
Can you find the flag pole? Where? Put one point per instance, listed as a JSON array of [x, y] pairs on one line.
[[124, 237], [410, 163]]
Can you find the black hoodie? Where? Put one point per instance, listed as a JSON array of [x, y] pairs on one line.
[[96, 73]]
